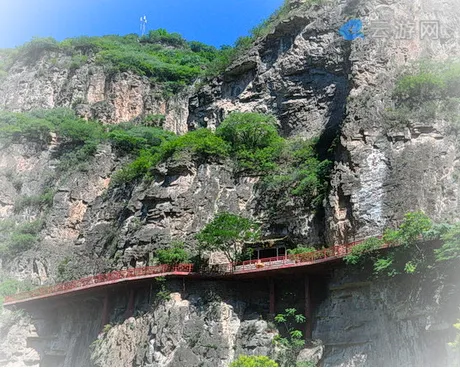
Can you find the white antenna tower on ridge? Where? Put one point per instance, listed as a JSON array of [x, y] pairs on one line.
[[143, 25]]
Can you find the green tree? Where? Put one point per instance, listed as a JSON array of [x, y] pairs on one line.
[[198, 144], [253, 361], [450, 250], [10, 287], [359, 251], [294, 342], [174, 255], [406, 256], [226, 233], [248, 131], [254, 140], [411, 230]]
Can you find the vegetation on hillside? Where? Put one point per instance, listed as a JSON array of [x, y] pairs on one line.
[[407, 253], [17, 238], [288, 167], [11, 286], [79, 138], [164, 57], [253, 361], [431, 81], [429, 92]]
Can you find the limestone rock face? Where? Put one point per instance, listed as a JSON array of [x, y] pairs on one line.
[[181, 332], [14, 350], [403, 321], [311, 354], [50, 82], [203, 324], [317, 85]]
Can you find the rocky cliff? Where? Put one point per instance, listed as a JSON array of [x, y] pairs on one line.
[[317, 85]]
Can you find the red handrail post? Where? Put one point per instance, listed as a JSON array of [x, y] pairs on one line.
[[130, 307], [272, 296], [308, 308], [105, 309]]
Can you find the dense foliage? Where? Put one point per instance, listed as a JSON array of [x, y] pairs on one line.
[[406, 253], [298, 172], [173, 255], [430, 82], [10, 287], [197, 145], [79, 137], [301, 250], [253, 361], [16, 238], [164, 57], [430, 91], [288, 167], [450, 250], [226, 233], [251, 140], [254, 141]]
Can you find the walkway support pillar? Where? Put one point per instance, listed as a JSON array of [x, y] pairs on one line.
[[130, 307], [272, 296], [105, 309], [308, 308]]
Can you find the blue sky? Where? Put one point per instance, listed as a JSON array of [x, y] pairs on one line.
[[215, 22]]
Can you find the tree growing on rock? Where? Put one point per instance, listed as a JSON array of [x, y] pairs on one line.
[[226, 233]]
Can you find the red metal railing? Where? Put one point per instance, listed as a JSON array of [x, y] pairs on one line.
[[101, 279], [337, 251]]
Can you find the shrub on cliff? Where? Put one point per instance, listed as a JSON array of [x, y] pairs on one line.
[[430, 92], [200, 144], [14, 126], [431, 81], [79, 137], [173, 255], [365, 248], [450, 250], [404, 255], [253, 361], [10, 287], [162, 36], [33, 49], [298, 172], [161, 56], [137, 168], [127, 138], [254, 141], [17, 238]]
